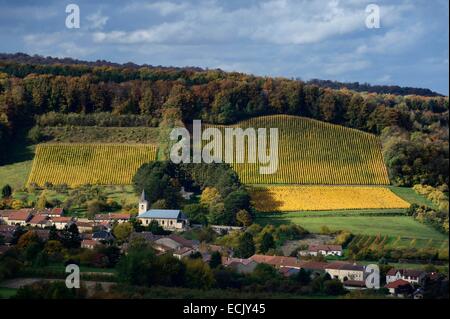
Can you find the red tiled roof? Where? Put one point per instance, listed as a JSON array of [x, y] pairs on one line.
[[22, 215], [38, 219], [397, 283], [406, 272], [61, 219], [182, 241], [57, 211], [314, 265]]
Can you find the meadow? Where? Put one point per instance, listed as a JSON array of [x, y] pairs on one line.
[[312, 198], [396, 226], [315, 152], [78, 164]]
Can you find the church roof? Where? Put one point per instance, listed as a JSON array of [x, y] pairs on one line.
[[163, 214]]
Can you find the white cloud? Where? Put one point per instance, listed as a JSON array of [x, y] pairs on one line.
[[393, 41], [96, 21]]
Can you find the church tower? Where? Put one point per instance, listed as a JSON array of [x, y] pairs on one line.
[[143, 203]]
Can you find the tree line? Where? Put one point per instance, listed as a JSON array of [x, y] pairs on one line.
[[27, 90]]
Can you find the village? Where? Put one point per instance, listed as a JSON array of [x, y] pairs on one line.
[[317, 259]]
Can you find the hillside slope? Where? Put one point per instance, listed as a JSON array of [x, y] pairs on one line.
[[314, 152]]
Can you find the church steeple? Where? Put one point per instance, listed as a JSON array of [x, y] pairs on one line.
[[143, 203]]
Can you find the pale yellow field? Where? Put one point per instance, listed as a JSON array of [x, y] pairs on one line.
[[310, 198], [78, 164]]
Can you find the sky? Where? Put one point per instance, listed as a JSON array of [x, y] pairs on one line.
[[306, 39]]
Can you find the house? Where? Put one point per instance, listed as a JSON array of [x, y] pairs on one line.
[[168, 219], [412, 276], [277, 261], [183, 252], [4, 215], [40, 221], [242, 266], [316, 268], [345, 271], [161, 249], [20, 217], [85, 227], [90, 243], [324, 250], [177, 242], [400, 288], [112, 217], [102, 235], [61, 222], [56, 212]]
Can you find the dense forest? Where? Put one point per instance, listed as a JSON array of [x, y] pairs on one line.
[[413, 128]]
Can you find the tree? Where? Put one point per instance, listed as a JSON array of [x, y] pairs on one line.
[[155, 228], [42, 201], [244, 218], [158, 179], [333, 287], [53, 233], [267, 243], [236, 201], [246, 247], [216, 260], [123, 231], [71, 237], [198, 274], [95, 206], [6, 191]]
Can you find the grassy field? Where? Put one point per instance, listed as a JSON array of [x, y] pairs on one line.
[[317, 198], [412, 197], [402, 226], [314, 152], [15, 175], [78, 164]]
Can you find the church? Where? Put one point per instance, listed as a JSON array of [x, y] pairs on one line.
[[169, 219]]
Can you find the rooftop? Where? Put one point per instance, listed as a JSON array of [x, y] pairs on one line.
[[163, 214]]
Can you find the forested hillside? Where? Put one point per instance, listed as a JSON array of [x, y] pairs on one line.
[[413, 129]]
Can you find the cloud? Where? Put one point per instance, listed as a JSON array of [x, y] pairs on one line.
[[96, 21], [393, 41], [281, 22]]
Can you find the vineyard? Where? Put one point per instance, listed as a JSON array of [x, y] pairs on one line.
[[317, 198], [314, 152], [77, 164]]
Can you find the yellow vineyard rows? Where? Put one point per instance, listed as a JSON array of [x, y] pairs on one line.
[[310, 198], [314, 152], [78, 164]]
